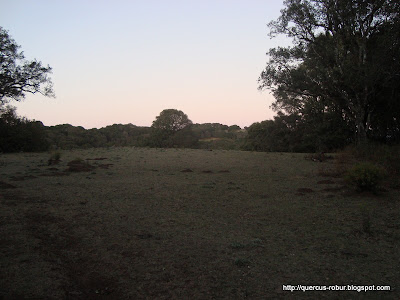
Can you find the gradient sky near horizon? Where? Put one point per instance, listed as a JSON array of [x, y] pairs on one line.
[[120, 62]]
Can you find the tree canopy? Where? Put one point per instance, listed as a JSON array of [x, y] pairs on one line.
[[344, 59], [171, 120], [20, 134], [19, 76]]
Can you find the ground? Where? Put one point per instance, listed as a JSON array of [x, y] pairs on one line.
[[132, 223]]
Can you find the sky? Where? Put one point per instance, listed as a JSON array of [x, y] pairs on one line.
[[124, 61]]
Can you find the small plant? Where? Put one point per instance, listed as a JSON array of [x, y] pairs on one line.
[[241, 262], [256, 242], [365, 176], [54, 158], [237, 245]]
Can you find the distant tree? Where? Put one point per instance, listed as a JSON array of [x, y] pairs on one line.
[[19, 76], [171, 120], [167, 125], [234, 128]]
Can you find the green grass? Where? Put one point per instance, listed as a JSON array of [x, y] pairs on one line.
[[240, 225]]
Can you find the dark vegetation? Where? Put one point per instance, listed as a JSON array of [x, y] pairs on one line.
[[20, 134], [338, 82], [18, 75]]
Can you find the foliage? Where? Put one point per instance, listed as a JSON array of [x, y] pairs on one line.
[[314, 131], [167, 125], [20, 134], [67, 136], [344, 59], [19, 76], [383, 155], [219, 143], [365, 176], [171, 121]]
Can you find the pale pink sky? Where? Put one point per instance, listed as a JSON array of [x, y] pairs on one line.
[[126, 61]]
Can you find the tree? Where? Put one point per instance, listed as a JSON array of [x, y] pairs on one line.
[[345, 55], [168, 124], [20, 134], [19, 76], [171, 120]]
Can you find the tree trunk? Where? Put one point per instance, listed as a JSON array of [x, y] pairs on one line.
[[361, 134], [362, 125]]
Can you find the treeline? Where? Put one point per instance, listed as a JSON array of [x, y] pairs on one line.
[[20, 134], [313, 132], [211, 136]]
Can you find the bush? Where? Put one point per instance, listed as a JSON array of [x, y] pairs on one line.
[[20, 134], [54, 158], [365, 176]]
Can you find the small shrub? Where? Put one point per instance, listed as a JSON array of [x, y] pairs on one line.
[[365, 176], [54, 158], [237, 245], [241, 262]]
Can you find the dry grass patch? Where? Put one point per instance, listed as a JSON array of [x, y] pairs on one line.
[[146, 230], [79, 165]]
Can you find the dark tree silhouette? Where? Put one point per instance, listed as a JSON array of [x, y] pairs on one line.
[[171, 120], [170, 128], [19, 76], [345, 55]]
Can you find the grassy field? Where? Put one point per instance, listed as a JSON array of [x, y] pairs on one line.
[[190, 224]]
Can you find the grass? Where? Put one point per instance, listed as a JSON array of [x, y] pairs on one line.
[[240, 225]]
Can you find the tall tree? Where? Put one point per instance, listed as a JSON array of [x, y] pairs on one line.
[[19, 76], [171, 120], [345, 55], [167, 125]]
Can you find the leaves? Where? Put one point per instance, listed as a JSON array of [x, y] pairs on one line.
[[344, 55], [19, 76]]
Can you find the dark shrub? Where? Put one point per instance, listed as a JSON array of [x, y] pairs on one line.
[[365, 176]]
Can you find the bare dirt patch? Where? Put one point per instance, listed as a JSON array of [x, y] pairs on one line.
[[79, 166]]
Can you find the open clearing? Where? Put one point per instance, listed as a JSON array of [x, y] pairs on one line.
[[190, 224]]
